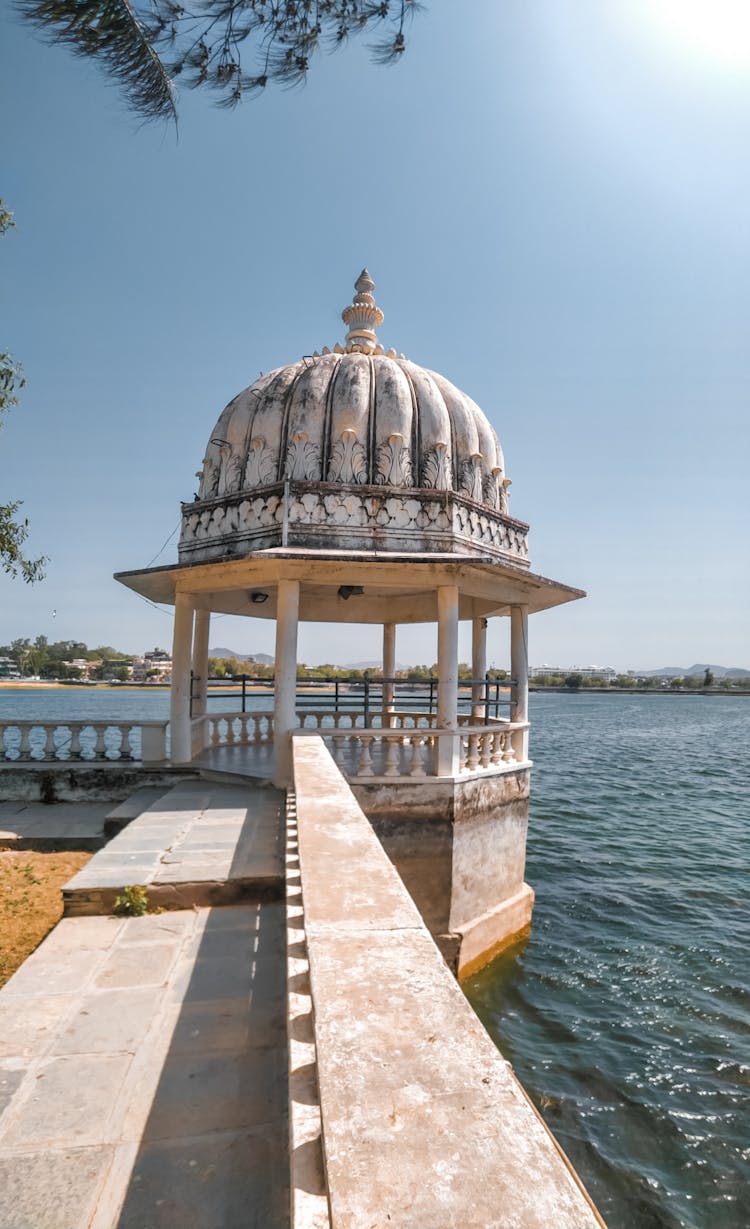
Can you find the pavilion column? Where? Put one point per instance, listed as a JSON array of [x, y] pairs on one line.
[[478, 666], [285, 688], [200, 675], [389, 664], [179, 714], [519, 669], [447, 704]]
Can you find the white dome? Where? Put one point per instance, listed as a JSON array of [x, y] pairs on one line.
[[354, 418]]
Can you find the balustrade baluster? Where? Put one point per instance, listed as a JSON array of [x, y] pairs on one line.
[[472, 756], [75, 741], [24, 749], [485, 750], [497, 748], [364, 767], [392, 766], [50, 747], [416, 766], [339, 752], [509, 755], [213, 732], [99, 744]]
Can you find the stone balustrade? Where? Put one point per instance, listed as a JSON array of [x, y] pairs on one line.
[[235, 729], [103, 740], [392, 745], [410, 751]]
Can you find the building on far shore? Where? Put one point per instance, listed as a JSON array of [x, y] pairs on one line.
[[588, 672], [153, 667], [9, 669]]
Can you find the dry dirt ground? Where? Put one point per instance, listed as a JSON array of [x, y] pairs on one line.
[[30, 900]]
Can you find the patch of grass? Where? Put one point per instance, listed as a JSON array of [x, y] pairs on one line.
[[31, 900], [133, 901]]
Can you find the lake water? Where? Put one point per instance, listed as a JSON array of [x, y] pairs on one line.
[[627, 1014]]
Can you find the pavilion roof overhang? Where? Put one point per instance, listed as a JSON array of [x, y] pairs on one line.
[[399, 588]]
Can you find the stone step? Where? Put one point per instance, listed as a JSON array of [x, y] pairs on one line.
[[200, 844], [67, 825], [133, 806]]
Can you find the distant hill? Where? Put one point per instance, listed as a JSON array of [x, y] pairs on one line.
[[370, 665], [261, 658], [719, 672]]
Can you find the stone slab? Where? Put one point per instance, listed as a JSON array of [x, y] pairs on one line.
[[51, 1189]]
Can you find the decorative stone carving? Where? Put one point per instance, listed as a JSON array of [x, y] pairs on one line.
[[230, 478], [492, 488], [348, 463], [363, 317], [504, 495], [470, 482], [261, 464], [209, 478], [436, 469], [348, 519], [302, 458], [393, 463]]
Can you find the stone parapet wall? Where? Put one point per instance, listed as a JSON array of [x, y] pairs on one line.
[[423, 1122], [324, 516]]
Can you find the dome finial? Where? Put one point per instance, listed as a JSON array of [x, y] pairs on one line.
[[363, 317]]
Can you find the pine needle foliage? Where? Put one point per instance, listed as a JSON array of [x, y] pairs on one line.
[[111, 33], [233, 47]]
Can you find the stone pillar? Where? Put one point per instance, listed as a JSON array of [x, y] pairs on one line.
[[447, 704], [478, 666], [389, 664], [200, 660], [285, 689], [200, 677], [519, 669], [179, 714]]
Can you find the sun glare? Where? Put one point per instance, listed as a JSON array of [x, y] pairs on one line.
[[717, 30]]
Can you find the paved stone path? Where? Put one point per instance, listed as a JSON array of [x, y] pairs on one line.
[[143, 1061]]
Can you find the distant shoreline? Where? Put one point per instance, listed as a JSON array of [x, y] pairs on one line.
[[644, 691], [312, 684]]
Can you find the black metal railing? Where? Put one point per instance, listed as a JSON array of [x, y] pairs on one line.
[[366, 693]]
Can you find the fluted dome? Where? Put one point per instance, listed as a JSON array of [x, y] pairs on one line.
[[355, 421]]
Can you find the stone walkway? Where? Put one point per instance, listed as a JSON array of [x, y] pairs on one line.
[[143, 1061]]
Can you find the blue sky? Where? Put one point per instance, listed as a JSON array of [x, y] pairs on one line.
[[552, 199]]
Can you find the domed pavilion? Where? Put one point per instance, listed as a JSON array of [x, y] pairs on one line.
[[354, 486]]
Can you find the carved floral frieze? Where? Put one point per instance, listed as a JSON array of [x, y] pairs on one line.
[[302, 459], [436, 469], [261, 464], [393, 463], [348, 462]]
